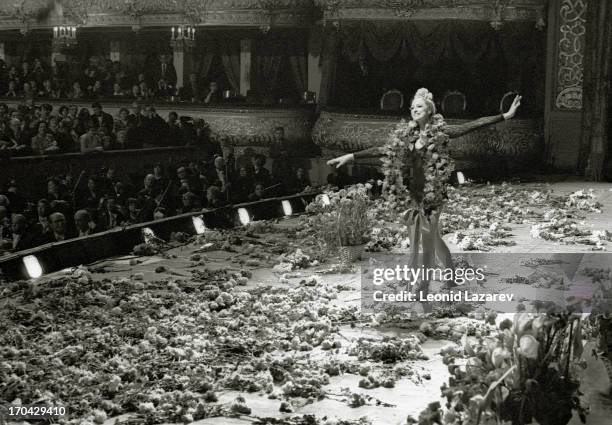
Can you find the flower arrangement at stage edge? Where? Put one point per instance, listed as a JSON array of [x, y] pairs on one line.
[[526, 373], [342, 218], [432, 147]]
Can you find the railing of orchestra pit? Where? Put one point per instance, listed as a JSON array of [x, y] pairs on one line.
[[44, 259]]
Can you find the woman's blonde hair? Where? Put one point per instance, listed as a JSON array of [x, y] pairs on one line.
[[427, 96]]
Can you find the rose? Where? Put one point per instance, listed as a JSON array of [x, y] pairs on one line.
[[528, 347]]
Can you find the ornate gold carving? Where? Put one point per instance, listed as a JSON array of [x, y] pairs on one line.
[[495, 12], [148, 12], [571, 54]]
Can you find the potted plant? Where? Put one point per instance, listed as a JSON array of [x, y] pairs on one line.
[[342, 221], [524, 372]]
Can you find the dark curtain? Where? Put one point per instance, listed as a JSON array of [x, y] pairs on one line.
[[204, 59], [299, 65], [328, 63], [230, 57], [470, 57], [268, 65], [596, 85]]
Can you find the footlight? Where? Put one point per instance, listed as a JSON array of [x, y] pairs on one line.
[[243, 216], [287, 207], [460, 177], [32, 266], [198, 224], [148, 234], [325, 199]]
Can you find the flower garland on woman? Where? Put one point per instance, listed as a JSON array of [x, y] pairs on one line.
[[421, 147]]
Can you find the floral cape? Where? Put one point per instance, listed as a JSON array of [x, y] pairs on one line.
[[431, 145]]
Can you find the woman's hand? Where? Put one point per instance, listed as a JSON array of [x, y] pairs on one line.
[[341, 160], [512, 111]]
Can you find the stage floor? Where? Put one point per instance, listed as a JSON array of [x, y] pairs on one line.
[[412, 393]]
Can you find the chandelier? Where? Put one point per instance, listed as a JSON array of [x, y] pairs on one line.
[[65, 37], [183, 36]]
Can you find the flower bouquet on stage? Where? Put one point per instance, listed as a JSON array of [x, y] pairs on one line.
[[342, 222]]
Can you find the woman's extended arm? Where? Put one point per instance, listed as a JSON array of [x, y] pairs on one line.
[[460, 129], [374, 152]]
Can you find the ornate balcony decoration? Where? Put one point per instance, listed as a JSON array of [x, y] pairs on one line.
[[92, 13], [496, 12]]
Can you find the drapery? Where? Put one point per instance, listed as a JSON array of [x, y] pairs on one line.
[[329, 63], [453, 54], [230, 57], [299, 65], [268, 63], [203, 62], [596, 84]]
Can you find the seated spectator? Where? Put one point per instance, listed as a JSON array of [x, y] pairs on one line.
[[16, 200], [145, 91], [242, 185], [43, 143], [189, 203], [163, 89], [260, 173], [46, 90], [133, 136], [56, 191], [117, 90], [214, 197], [66, 137], [57, 230], [20, 239], [96, 91], [150, 191], [154, 129], [120, 123], [76, 92], [101, 118], [159, 213], [258, 192], [218, 176], [12, 89], [136, 93], [43, 210], [212, 95], [90, 198], [83, 122], [109, 214], [161, 181], [175, 132], [85, 226], [299, 182], [108, 139], [133, 213], [73, 112], [29, 92], [90, 141], [15, 137]]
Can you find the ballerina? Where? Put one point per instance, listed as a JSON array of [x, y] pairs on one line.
[[421, 145]]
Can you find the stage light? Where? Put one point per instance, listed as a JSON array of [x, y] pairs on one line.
[[460, 177], [148, 234], [325, 199], [32, 266], [287, 207], [198, 224], [244, 216]]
